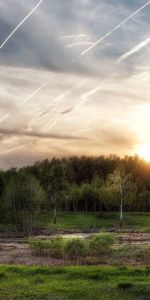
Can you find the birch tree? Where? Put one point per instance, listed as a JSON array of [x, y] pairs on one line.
[[122, 187]]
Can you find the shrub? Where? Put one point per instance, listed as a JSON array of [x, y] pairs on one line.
[[53, 247], [56, 247], [37, 246], [100, 244], [76, 248]]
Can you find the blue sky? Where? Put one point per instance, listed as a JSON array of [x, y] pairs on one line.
[[56, 101]]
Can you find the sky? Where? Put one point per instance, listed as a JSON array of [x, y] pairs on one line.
[[74, 79]]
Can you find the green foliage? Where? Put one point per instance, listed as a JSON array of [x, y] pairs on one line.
[[72, 248], [23, 197], [76, 248], [73, 184], [100, 244], [143, 255], [53, 247], [82, 283]]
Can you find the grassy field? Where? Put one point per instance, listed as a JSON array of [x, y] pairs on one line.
[[69, 283], [80, 221]]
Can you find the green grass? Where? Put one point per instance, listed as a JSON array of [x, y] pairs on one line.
[[70, 221], [70, 283]]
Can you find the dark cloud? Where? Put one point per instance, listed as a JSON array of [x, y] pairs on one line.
[[43, 135], [67, 111]]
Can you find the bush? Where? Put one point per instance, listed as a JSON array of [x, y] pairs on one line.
[[76, 248], [56, 247], [37, 246], [53, 247], [100, 244]]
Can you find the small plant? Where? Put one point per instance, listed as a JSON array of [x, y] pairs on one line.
[[144, 255], [76, 248], [100, 244]]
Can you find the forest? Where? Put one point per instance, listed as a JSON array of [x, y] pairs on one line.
[[73, 184]]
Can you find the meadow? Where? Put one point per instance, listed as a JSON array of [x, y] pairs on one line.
[[91, 221], [70, 283]]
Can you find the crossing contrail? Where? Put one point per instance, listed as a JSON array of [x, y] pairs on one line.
[[84, 98], [134, 50], [38, 116], [115, 28], [21, 23]]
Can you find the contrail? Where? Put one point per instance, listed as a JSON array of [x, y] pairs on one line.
[[12, 149], [84, 130], [83, 98], [33, 94], [73, 36], [115, 28], [4, 117], [39, 115], [21, 23], [24, 101], [134, 50], [79, 44]]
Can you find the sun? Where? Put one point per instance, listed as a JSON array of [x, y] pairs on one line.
[[144, 152]]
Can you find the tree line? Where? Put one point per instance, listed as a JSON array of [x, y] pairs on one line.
[[73, 184]]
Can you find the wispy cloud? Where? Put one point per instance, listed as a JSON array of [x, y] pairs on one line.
[[90, 97], [74, 36], [32, 94], [76, 44], [135, 49], [5, 117], [84, 98], [45, 112], [43, 135], [114, 29]]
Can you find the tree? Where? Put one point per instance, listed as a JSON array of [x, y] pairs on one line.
[[56, 185], [122, 187], [97, 184], [23, 196]]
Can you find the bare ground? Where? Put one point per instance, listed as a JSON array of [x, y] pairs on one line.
[[16, 251]]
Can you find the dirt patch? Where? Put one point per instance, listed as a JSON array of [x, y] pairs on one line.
[[135, 238], [16, 251]]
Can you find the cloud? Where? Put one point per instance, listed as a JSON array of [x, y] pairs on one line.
[[115, 28], [67, 111], [43, 135], [134, 50], [21, 23], [90, 105]]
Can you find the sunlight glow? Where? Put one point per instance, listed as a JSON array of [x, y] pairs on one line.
[[144, 152]]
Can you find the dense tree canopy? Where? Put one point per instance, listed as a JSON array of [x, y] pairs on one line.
[[73, 184]]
